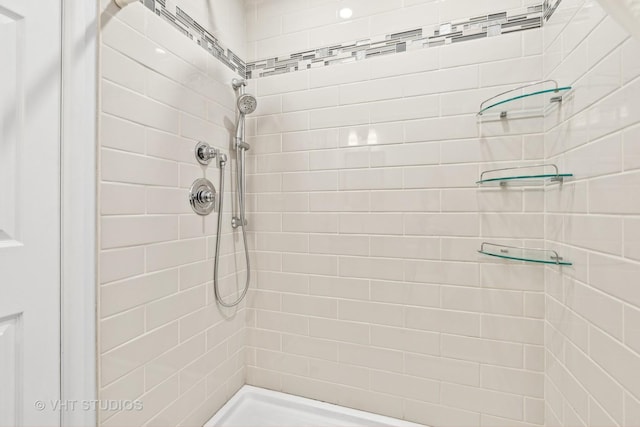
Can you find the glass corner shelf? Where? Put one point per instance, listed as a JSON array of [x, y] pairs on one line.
[[537, 256], [535, 99], [511, 175]]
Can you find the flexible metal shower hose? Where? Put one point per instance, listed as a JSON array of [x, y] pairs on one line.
[[241, 205]]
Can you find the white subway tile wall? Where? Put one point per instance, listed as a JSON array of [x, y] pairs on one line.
[[372, 294], [365, 219], [163, 340], [591, 322]]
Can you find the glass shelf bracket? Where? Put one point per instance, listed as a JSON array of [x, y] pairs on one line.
[[555, 177], [537, 256], [556, 95]]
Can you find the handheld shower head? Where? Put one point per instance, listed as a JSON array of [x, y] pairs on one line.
[[247, 104]]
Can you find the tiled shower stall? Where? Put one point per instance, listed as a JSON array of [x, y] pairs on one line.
[[365, 218]]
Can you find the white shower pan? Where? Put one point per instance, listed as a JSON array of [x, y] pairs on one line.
[[256, 407]]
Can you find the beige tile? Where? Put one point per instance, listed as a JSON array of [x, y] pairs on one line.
[[338, 330], [370, 357], [406, 386], [598, 416], [175, 306], [121, 134], [632, 328], [440, 272], [482, 350], [311, 388], [373, 268], [283, 242], [136, 353], [482, 300], [121, 328], [173, 254], [202, 366], [118, 199], [438, 320], [609, 195], [371, 224], [512, 381], [485, 401], [337, 373], [342, 201], [339, 287], [154, 401], [311, 347], [410, 340], [370, 179], [595, 380], [369, 401], [283, 282], [438, 224], [268, 340], [632, 409], [439, 415], [619, 361], [443, 369], [513, 329], [632, 238], [171, 362], [119, 232], [120, 296], [405, 293], [310, 223], [129, 105], [281, 362], [599, 233], [370, 312], [179, 409], [597, 307], [351, 158], [310, 306], [405, 247], [263, 300], [509, 276], [120, 264], [129, 387], [338, 244], [616, 277], [310, 264], [198, 321]]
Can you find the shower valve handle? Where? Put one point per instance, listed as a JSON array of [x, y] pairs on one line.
[[205, 153], [202, 197], [205, 196]]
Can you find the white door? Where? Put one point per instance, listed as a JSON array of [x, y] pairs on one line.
[[30, 70]]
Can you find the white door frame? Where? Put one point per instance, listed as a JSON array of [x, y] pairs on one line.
[[78, 370]]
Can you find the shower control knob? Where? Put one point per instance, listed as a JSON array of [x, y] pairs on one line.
[[202, 197], [205, 196], [205, 153]]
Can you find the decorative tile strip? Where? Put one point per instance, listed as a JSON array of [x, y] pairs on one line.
[[451, 32], [550, 7], [184, 23]]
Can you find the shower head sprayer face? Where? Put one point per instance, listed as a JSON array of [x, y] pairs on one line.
[[247, 104]]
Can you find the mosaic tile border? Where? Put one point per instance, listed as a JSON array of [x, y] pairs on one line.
[[188, 26], [492, 25], [550, 7]]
